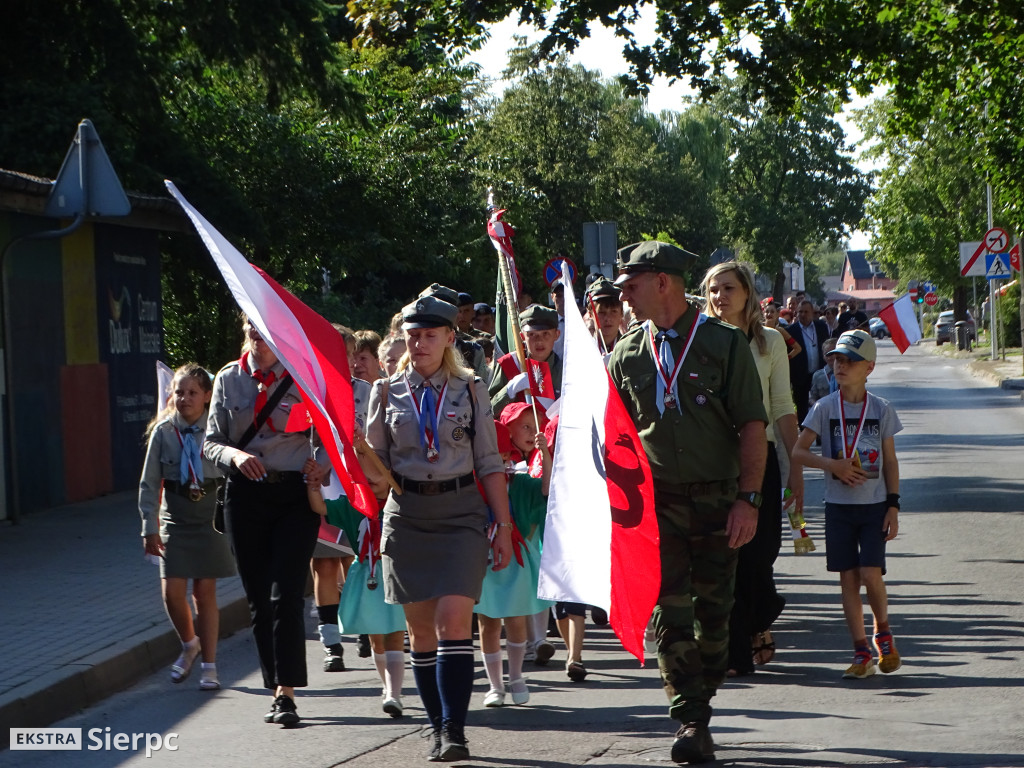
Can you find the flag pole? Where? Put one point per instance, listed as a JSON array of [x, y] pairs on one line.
[[597, 325], [512, 303]]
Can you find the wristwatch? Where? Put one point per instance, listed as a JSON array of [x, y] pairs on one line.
[[753, 498]]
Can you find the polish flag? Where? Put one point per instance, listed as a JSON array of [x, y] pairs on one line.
[[601, 535], [307, 345], [901, 320]]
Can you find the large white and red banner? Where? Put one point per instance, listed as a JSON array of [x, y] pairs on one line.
[[901, 320], [601, 535], [307, 345]]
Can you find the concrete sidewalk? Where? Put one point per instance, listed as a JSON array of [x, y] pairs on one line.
[[81, 615]]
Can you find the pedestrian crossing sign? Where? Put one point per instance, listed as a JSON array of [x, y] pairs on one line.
[[997, 266]]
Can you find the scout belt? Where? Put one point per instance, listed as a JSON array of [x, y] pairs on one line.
[[185, 489], [433, 487]]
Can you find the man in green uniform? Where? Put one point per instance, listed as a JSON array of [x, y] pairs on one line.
[[691, 387]]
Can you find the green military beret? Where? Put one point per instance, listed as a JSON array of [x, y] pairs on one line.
[[652, 256], [538, 318], [603, 288], [442, 292], [428, 312]]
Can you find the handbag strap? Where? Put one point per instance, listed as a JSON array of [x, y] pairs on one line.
[[265, 411]]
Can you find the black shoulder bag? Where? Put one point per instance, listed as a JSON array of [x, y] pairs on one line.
[[248, 435]]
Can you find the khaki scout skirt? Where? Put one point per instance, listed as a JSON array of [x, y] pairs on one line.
[[433, 546], [192, 548]]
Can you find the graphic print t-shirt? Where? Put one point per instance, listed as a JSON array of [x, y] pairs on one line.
[[880, 423]]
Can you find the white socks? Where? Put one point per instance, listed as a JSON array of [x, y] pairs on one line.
[[492, 665], [394, 673], [516, 654]]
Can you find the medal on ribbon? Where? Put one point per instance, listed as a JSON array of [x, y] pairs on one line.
[[850, 449], [669, 381], [188, 469], [426, 416]]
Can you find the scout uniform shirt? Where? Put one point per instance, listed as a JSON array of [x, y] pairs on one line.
[[233, 410], [718, 391], [163, 463], [498, 389], [464, 442]]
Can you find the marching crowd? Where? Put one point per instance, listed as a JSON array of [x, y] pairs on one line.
[[454, 433]]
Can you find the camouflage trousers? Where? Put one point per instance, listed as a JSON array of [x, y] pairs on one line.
[[691, 619]]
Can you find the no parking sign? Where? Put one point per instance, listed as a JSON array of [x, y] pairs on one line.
[[553, 270]]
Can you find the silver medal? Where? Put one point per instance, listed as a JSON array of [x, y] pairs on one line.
[[371, 582], [432, 455], [670, 400]]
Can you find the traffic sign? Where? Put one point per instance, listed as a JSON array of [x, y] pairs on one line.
[[997, 266], [553, 270], [931, 298], [1015, 257], [970, 263], [913, 293], [996, 240]]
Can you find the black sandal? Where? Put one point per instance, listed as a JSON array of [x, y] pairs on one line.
[[763, 647]]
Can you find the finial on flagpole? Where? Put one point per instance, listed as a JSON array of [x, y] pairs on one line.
[[490, 198]]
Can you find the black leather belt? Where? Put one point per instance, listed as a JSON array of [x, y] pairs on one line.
[[693, 489], [273, 476], [185, 489], [433, 487]]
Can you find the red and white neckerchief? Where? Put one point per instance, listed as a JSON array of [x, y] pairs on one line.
[[669, 381], [428, 432], [850, 449], [369, 547], [263, 381], [195, 490]]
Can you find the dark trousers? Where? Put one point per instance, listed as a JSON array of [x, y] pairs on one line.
[[273, 532], [801, 395], [691, 619], [757, 603]]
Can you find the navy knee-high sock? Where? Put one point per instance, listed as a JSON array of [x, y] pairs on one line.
[[424, 672], [455, 678]]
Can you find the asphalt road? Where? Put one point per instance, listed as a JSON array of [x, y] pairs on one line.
[[954, 583]]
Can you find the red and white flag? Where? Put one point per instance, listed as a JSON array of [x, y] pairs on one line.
[[901, 320], [542, 386], [307, 345], [601, 535]]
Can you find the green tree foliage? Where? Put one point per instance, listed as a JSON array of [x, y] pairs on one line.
[[562, 148], [791, 181], [931, 197]]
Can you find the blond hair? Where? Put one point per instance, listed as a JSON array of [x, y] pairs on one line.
[[188, 370], [452, 363], [752, 316]]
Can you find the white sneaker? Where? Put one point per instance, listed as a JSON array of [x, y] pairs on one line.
[[392, 706], [494, 698], [520, 693]]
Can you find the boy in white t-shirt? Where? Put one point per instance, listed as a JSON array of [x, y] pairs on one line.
[[862, 502]]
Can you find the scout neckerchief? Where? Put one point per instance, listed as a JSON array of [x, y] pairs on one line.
[[848, 449], [191, 465], [263, 380], [427, 411], [667, 394], [369, 547]]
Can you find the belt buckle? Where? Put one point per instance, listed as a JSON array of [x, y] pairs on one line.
[[430, 489]]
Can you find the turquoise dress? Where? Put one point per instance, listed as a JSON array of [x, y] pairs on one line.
[[512, 591], [362, 610]]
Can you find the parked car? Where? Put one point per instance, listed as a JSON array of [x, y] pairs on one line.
[[944, 330], [878, 328]]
